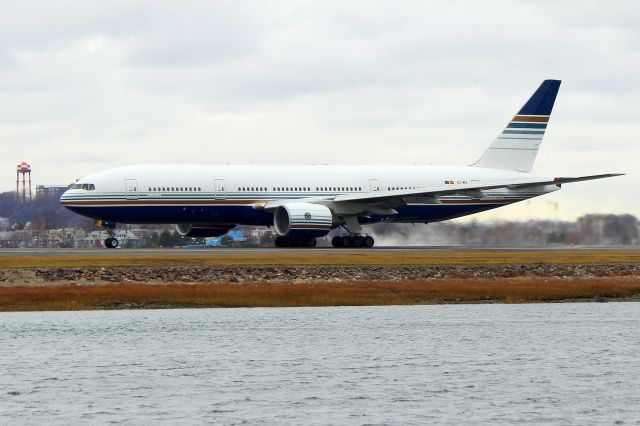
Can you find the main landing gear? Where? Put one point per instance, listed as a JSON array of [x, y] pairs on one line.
[[295, 242], [353, 237], [345, 241]]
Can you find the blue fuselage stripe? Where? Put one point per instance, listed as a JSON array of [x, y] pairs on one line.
[[247, 215]]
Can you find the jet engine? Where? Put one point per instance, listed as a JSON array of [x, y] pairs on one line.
[[200, 230], [303, 220]]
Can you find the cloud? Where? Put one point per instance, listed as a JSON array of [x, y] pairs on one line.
[[90, 85]]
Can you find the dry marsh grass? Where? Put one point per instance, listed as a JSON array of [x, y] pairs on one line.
[[374, 257], [521, 290]]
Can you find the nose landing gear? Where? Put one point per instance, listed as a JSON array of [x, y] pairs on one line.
[[111, 241]]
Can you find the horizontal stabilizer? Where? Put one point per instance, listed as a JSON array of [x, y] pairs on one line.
[[560, 180]]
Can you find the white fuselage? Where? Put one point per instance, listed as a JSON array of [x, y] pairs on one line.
[[229, 194]]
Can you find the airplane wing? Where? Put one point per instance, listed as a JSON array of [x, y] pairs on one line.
[[396, 197], [461, 189]]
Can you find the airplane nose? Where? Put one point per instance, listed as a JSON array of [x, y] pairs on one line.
[[64, 196]]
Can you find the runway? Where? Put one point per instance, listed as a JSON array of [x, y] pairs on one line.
[[317, 250]]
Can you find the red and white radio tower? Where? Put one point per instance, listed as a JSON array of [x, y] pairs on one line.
[[23, 169]]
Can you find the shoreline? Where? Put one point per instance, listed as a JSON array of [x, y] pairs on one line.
[[113, 281], [74, 296]]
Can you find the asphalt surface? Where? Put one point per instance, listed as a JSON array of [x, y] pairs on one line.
[[266, 250]]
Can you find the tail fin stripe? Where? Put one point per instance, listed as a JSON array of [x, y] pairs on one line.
[[522, 138], [514, 149], [527, 125], [524, 132], [536, 119]]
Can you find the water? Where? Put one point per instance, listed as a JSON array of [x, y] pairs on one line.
[[554, 363]]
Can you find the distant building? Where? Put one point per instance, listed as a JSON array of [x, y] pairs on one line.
[[50, 191], [96, 239]]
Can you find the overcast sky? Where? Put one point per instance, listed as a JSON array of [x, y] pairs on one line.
[[86, 86]]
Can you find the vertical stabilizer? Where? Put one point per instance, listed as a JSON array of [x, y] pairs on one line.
[[517, 146]]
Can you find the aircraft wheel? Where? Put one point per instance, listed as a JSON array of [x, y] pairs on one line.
[[347, 241], [336, 241], [368, 241], [311, 242], [111, 243], [358, 241], [280, 242]]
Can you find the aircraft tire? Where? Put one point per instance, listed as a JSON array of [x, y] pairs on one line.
[[347, 241], [336, 241], [369, 241], [311, 242], [358, 241], [111, 243]]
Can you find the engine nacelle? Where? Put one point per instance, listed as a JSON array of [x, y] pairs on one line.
[[202, 231], [303, 220]]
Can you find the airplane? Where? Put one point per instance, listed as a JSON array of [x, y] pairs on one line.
[[305, 202]]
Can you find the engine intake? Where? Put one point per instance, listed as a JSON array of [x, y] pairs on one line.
[[303, 220], [202, 231]]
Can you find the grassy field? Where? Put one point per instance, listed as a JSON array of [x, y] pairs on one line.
[[220, 258], [519, 290]]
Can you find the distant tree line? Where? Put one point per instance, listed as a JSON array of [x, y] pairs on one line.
[[40, 213]]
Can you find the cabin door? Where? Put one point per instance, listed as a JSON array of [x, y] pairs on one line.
[[220, 193], [374, 185], [131, 189]]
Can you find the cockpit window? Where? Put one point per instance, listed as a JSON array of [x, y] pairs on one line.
[[85, 186]]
